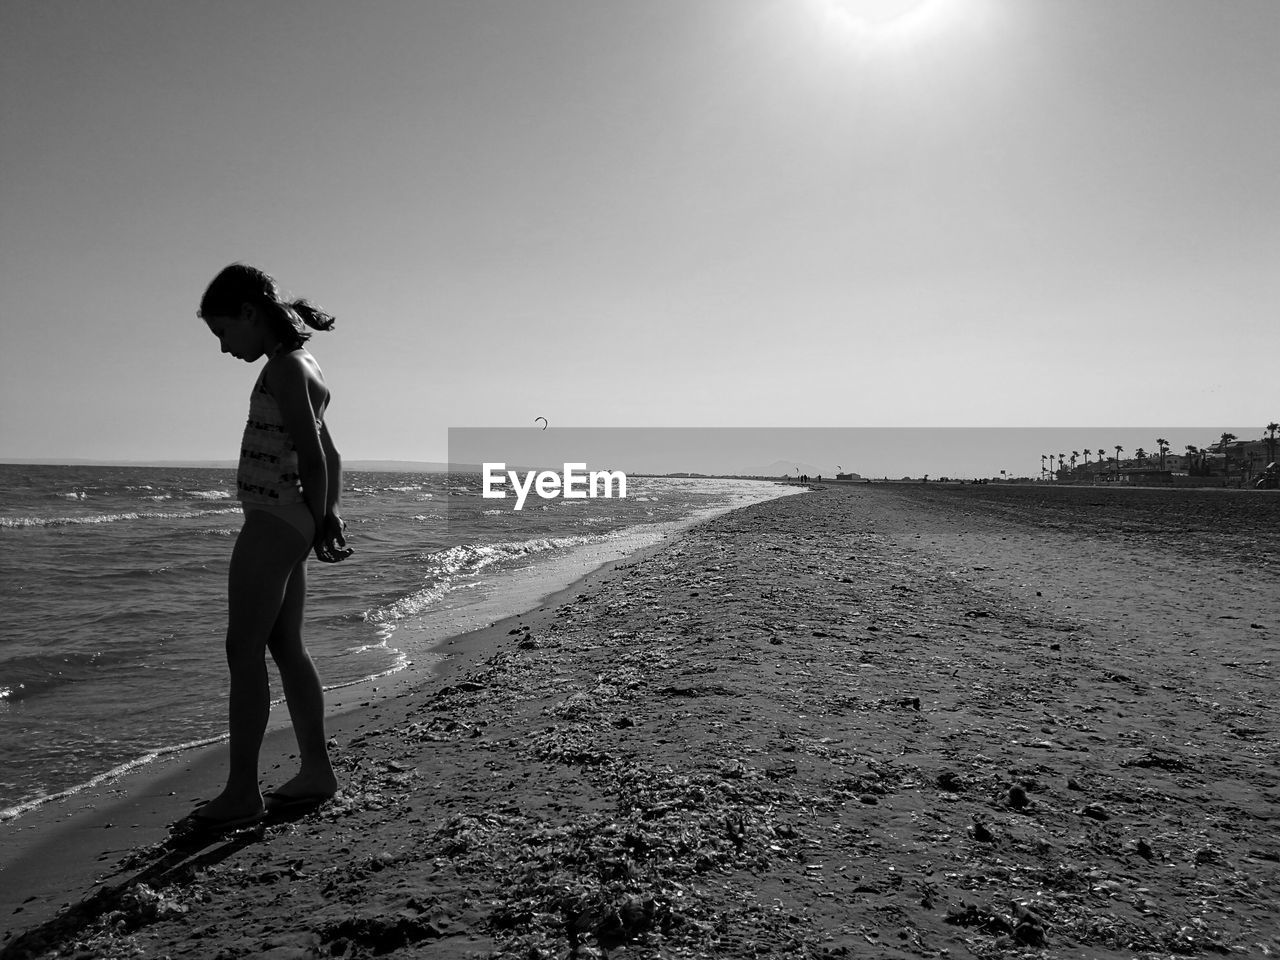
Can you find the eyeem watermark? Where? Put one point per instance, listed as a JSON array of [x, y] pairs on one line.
[[574, 484]]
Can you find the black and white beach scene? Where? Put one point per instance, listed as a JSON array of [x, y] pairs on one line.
[[653, 479]]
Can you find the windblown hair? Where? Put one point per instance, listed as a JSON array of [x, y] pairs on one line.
[[239, 284]]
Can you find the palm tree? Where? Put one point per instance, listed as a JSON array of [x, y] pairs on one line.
[[1140, 454], [1271, 441], [1226, 457], [1086, 456], [1061, 457], [1119, 450], [1193, 459], [1163, 444], [1075, 455]]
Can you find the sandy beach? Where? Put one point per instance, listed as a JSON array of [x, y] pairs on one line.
[[870, 720]]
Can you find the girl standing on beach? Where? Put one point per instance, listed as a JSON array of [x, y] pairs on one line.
[[289, 482]]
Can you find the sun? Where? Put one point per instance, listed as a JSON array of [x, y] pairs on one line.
[[878, 13], [882, 23]]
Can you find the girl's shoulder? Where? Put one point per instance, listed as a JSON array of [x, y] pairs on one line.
[[296, 373], [292, 369], [294, 362]]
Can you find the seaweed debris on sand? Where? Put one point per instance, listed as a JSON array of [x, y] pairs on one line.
[[843, 723]]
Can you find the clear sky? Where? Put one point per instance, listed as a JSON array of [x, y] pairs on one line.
[[712, 213]]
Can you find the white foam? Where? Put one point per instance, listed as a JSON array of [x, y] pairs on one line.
[[89, 520], [208, 494], [117, 771]]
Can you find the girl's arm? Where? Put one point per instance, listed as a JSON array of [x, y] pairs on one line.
[[332, 546], [333, 464]]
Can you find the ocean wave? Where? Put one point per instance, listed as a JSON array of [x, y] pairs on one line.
[[32, 688], [384, 618], [471, 558], [89, 520], [446, 567], [10, 813], [208, 494]]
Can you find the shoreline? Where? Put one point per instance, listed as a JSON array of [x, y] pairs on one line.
[[116, 812], [516, 596], [123, 682], [851, 721], [135, 810]]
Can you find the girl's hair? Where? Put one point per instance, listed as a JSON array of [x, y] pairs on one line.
[[239, 284]]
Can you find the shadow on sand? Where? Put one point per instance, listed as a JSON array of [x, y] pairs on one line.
[[128, 897]]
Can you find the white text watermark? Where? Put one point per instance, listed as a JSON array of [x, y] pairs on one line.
[[576, 483]]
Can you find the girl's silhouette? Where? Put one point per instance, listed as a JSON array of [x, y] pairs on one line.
[[289, 483]]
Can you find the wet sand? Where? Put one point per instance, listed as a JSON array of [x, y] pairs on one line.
[[870, 720]]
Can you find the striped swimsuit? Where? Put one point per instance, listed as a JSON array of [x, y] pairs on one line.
[[268, 478]]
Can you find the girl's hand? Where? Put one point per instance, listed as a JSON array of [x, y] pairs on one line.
[[331, 545]]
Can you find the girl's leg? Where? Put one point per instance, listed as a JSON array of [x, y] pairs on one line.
[[265, 555], [303, 693]]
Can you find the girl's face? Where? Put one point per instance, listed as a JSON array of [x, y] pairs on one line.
[[241, 336]]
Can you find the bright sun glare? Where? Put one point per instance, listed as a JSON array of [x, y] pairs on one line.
[[877, 13], [881, 20]]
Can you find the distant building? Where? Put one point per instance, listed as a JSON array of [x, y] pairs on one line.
[[1247, 457], [1234, 462]]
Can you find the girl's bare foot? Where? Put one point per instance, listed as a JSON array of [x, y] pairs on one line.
[[304, 788], [225, 811]]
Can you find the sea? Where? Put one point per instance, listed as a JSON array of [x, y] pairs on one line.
[[113, 582]]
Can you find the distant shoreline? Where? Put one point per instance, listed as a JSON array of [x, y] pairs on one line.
[[367, 466], [375, 466]]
